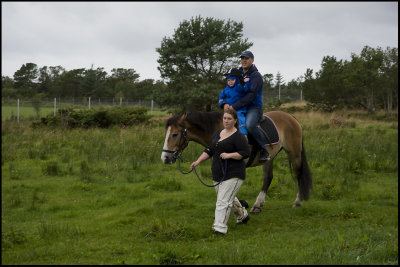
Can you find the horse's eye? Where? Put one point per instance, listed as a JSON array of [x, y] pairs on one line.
[[174, 135]]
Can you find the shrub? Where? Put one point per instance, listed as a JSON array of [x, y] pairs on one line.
[[102, 118], [51, 168]]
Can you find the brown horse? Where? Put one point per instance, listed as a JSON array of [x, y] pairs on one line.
[[200, 126]]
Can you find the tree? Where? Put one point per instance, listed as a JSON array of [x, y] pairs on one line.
[[371, 61], [389, 71], [193, 61], [329, 82], [268, 87], [70, 83], [7, 87], [279, 81], [24, 79], [93, 82], [122, 80], [363, 79], [294, 89], [36, 103], [144, 89], [47, 81], [308, 85]]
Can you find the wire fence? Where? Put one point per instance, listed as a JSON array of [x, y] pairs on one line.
[[17, 109]]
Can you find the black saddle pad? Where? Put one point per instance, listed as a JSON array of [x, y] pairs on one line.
[[268, 128]]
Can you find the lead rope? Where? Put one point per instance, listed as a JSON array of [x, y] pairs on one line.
[[194, 168]]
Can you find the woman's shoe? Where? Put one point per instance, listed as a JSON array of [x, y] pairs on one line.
[[245, 220]]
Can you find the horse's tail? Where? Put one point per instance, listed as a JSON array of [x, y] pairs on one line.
[[304, 176]]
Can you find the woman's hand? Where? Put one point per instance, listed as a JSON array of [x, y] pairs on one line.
[[234, 155], [202, 157], [194, 164], [225, 155]]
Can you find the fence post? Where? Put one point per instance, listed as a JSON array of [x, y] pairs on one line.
[[89, 102], [55, 106], [120, 101], [152, 107], [18, 110]]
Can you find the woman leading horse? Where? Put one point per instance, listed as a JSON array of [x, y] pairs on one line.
[[199, 126]]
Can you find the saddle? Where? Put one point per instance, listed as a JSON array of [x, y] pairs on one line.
[[270, 134]]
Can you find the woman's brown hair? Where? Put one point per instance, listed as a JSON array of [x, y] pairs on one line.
[[234, 115]]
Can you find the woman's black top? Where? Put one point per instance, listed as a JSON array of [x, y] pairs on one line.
[[234, 143]]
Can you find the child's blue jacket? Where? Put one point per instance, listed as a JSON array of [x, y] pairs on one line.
[[232, 94]]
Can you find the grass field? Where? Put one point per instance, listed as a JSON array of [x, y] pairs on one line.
[[28, 112], [103, 196]]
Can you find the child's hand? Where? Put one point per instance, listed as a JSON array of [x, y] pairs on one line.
[[226, 107]]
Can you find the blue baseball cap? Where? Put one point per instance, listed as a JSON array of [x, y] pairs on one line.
[[247, 54]]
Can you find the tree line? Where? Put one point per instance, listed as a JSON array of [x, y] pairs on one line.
[[192, 63], [55, 81]]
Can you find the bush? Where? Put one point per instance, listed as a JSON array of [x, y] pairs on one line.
[[51, 168], [102, 118]]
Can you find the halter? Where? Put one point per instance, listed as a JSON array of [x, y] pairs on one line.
[[185, 142]]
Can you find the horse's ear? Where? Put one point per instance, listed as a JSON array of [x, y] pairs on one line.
[[183, 117], [170, 114]]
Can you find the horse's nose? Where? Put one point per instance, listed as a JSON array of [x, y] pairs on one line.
[[167, 159]]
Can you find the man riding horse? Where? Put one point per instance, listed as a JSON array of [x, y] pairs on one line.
[[253, 101]]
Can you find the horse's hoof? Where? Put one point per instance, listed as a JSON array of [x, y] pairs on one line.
[[255, 210], [296, 204]]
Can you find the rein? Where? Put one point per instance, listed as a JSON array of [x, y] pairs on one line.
[[194, 168]]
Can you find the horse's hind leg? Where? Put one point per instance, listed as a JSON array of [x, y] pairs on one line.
[[268, 175], [296, 164], [303, 175]]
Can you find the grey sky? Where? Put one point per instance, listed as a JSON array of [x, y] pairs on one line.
[[288, 37]]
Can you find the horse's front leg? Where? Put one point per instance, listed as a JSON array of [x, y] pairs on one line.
[[268, 175]]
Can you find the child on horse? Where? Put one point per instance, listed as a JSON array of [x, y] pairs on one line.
[[235, 89]]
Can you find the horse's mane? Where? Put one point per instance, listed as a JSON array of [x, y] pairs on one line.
[[201, 119]]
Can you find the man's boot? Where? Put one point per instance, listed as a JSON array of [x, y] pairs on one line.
[[264, 155]]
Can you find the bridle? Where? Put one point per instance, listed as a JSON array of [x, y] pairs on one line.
[[177, 155], [178, 152]]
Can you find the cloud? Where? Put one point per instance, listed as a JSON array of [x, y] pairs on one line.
[[288, 37]]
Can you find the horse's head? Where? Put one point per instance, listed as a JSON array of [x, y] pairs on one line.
[[176, 139]]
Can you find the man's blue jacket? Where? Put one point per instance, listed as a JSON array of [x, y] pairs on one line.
[[255, 89]]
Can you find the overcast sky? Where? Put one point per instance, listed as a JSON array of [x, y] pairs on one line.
[[288, 37]]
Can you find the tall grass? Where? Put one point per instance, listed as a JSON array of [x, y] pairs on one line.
[[102, 196]]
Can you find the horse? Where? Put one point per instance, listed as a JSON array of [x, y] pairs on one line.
[[199, 126]]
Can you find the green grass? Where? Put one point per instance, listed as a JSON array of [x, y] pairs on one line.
[[102, 196], [11, 112]]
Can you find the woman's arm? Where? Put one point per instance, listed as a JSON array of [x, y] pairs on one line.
[[204, 156], [234, 155], [242, 146]]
